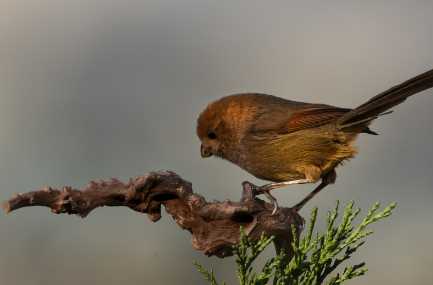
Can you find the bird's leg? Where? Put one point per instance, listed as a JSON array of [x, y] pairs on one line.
[[310, 196], [267, 188], [329, 178], [271, 186]]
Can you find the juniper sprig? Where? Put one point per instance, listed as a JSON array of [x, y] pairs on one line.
[[315, 256]]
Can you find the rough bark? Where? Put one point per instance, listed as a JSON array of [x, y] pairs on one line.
[[214, 226]]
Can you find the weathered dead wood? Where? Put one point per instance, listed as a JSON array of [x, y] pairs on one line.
[[214, 225]]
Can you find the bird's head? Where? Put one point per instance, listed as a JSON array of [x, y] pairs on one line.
[[222, 125], [212, 130]]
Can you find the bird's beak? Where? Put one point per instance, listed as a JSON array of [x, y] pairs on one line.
[[205, 151]]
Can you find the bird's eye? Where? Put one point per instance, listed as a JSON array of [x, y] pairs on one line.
[[211, 135]]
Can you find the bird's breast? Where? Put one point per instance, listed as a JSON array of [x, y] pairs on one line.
[[286, 157]]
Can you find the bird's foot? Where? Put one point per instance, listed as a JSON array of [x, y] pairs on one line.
[[265, 190], [273, 200]]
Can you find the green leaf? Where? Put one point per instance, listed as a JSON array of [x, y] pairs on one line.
[[315, 256]]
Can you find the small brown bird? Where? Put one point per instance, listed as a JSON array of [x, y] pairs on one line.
[[289, 142]]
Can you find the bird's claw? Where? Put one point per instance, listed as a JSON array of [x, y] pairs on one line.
[[265, 190], [273, 200]]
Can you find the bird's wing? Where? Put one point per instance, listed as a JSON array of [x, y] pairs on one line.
[[310, 116]]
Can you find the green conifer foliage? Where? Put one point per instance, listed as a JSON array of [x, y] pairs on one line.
[[316, 256]]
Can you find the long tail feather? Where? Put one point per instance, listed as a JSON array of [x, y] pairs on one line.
[[386, 100]]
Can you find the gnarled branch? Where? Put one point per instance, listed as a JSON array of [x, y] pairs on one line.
[[214, 225]]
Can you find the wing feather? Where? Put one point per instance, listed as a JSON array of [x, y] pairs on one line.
[[284, 122], [311, 118]]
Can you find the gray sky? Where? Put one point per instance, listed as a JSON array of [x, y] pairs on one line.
[[99, 89]]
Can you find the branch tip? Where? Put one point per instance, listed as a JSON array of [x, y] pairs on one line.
[[6, 207]]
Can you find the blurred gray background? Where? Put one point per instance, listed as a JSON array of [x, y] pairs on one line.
[[100, 89]]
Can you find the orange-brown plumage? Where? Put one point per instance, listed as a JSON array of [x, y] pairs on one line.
[[275, 139], [281, 140]]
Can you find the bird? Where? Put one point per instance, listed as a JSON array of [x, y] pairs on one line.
[[289, 142]]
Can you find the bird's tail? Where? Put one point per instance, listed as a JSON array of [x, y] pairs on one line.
[[379, 104]]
